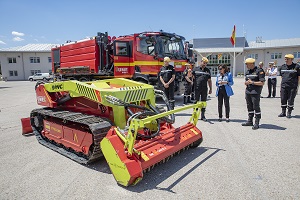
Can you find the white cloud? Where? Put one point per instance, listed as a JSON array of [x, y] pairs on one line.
[[17, 33], [17, 39], [1, 42]]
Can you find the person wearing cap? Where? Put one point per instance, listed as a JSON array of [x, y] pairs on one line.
[[188, 83], [254, 81], [202, 78], [272, 80], [167, 77], [290, 78]]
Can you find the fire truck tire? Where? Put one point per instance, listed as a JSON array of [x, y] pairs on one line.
[[83, 79]]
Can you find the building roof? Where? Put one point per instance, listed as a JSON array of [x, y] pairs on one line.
[[279, 43], [30, 48], [219, 50], [205, 43]]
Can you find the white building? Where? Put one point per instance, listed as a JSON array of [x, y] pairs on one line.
[[18, 63], [220, 51]]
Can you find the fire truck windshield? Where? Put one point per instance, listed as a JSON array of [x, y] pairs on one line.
[[162, 46], [171, 46]]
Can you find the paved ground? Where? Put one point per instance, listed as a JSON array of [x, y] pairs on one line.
[[233, 162]]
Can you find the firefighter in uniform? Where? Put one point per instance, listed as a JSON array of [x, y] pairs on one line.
[[202, 77], [193, 86], [167, 77], [188, 83], [290, 74], [254, 81]]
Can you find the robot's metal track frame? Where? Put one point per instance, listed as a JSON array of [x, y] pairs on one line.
[[97, 126]]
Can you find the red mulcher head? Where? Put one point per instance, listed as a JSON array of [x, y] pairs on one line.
[[128, 158]]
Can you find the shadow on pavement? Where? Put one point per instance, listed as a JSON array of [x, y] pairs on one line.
[[4, 87], [271, 126], [296, 116], [164, 171]]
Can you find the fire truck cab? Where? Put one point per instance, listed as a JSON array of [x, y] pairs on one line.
[[138, 56]]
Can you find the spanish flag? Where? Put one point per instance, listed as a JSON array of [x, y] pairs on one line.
[[232, 39]]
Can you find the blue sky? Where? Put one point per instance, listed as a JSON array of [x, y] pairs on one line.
[[42, 21]]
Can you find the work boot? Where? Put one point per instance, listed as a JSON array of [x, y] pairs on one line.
[[289, 114], [256, 124], [203, 114], [189, 100], [172, 105], [282, 114], [249, 122], [184, 100]]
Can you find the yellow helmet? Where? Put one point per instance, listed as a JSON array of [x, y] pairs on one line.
[[249, 60], [167, 59], [289, 56]]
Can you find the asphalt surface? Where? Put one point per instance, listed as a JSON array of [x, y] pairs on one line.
[[233, 162]]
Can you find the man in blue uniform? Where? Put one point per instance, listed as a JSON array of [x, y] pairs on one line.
[[254, 81], [167, 77], [290, 74], [202, 78]]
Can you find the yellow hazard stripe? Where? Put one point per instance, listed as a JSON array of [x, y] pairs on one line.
[[150, 63], [143, 155], [194, 131]]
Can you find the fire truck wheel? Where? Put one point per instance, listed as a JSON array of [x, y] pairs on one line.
[[83, 79]]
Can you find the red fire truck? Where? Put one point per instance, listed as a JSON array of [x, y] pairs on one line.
[[138, 56]]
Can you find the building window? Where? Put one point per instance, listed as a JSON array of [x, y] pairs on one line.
[[13, 73], [296, 54], [276, 55], [219, 59], [49, 59], [34, 71], [12, 60], [34, 59], [253, 55]]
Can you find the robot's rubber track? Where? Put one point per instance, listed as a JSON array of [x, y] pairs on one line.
[[96, 125]]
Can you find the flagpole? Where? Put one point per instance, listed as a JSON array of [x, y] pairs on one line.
[[234, 69]]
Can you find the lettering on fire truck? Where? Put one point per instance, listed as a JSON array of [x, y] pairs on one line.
[[123, 70]]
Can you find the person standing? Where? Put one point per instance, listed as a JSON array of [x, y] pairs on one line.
[[167, 77], [188, 83], [272, 79], [261, 65], [224, 81], [202, 78], [254, 81], [290, 74]]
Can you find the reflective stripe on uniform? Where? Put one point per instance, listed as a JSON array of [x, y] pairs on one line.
[[200, 73], [252, 75], [167, 70], [250, 111]]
